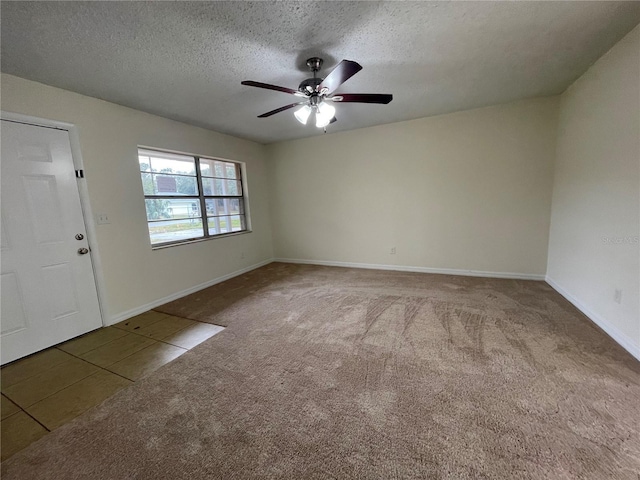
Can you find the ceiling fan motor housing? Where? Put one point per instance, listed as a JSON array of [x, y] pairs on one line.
[[309, 82]]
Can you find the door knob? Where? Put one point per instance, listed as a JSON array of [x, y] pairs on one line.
[[83, 251]]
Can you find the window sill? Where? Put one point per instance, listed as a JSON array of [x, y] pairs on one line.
[[162, 246]]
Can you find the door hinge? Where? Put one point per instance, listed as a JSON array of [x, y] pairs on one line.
[[79, 173]]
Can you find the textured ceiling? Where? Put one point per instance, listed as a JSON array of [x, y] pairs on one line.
[[185, 60]]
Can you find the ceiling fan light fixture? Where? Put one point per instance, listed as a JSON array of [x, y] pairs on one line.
[[302, 114], [320, 93], [325, 113]]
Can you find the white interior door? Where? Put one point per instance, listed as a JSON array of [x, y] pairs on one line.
[[47, 287]]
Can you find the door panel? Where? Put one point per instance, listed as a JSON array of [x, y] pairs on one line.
[[59, 284], [48, 289], [13, 316], [44, 208]]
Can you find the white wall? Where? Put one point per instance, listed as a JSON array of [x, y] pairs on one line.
[[134, 275], [464, 191], [595, 222]]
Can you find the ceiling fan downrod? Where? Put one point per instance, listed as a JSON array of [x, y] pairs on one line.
[[310, 85]]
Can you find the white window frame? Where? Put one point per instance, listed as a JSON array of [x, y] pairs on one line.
[[200, 198]]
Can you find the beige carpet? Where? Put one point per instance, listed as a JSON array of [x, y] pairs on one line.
[[330, 373]]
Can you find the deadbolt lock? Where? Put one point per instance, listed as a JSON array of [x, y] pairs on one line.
[[79, 236]]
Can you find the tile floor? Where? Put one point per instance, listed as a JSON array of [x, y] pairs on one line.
[[46, 390]]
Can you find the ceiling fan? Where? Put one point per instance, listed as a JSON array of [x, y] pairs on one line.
[[319, 93]]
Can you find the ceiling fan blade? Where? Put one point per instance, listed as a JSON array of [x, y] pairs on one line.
[[281, 109], [343, 72], [268, 86], [362, 98]]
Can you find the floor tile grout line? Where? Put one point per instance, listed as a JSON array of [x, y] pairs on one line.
[[131, 354], [57, 391], [90, 350], [57, 347], [100, 346], [100, 368], [174, 333], [161, 340], [104, 344], [35, 419], [192, 319], [12, 414], [21, 409], [108, 326], [105, 368], [35, 374], [123, 358], [93, 349], [68, 386], [182, 329], [141, 350]]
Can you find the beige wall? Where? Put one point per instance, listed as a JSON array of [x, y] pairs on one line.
[[593, 245], [464, 191], [134, 275], [547, 185]]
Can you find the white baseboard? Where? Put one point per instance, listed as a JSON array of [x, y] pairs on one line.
[[402, 268], [620, 338], [447, 271], [624, 341], [174, 296]]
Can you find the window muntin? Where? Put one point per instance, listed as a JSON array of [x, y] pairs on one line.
[[179, 188]]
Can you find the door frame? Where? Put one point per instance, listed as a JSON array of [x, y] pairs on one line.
[[87, 214]]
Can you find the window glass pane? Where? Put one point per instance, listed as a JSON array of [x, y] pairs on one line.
[[158, 184], [224, 206], [228, 224], [218, 168], [237, 223], [145, 163], [163, 162], [217, 225], [175, 230], [147, 183], [157, 209], [230, 170], [233, 187], [218, 186], [210, 186], [211, 168], [172, 208]]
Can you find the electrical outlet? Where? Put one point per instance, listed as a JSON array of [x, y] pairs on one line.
[[392, 251], [617, 296], [103, 219]]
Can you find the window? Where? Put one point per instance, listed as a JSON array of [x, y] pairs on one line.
[[189, 197]]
